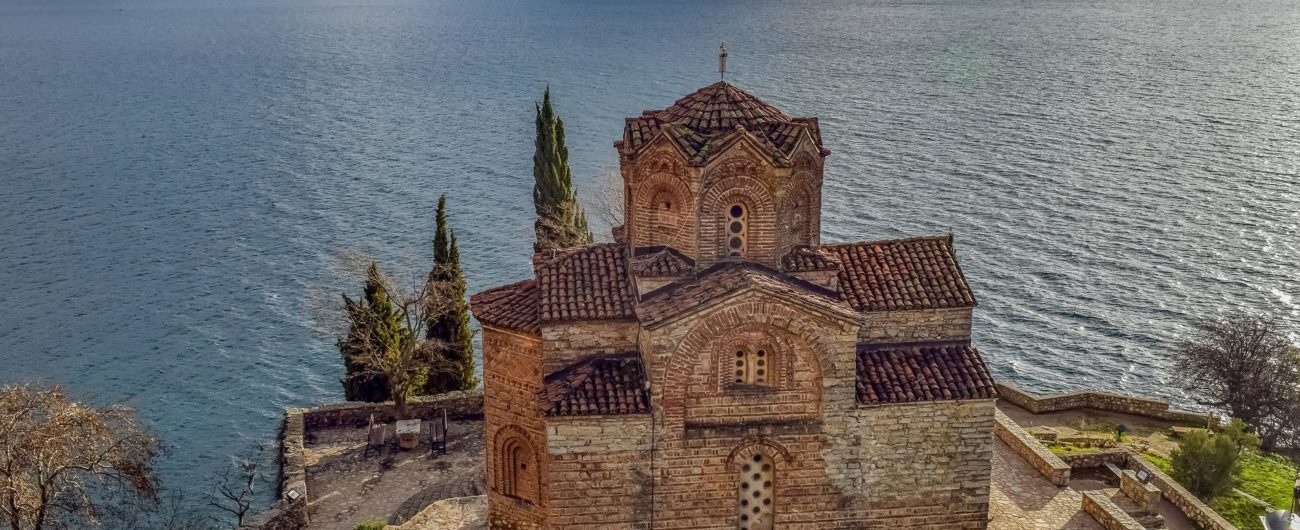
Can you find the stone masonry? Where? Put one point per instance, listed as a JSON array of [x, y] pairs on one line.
[[717, 366]]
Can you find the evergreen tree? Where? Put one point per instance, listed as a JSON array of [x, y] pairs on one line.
[[450, 328], [373, 320], [561, 223]]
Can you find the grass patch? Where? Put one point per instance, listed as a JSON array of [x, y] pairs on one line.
[[375, 524], [1268, 477], [1062, 449], [1238, 510]]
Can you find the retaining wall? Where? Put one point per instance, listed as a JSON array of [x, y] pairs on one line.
[[1107, 513], [292, 514], [1031, 450], [1106, 401]]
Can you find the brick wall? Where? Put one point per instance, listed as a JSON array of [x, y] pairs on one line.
[[569, 342], [1107, 513], [916, 326], [512, 375], [599, 472]]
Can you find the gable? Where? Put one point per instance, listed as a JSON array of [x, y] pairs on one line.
[[728, 280]]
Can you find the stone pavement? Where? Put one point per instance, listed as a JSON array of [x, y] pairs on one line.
[[1021, 499], [347, 489]]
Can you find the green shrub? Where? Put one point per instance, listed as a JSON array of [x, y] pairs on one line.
[[1205, 463], [1241, 435], [376, 524]]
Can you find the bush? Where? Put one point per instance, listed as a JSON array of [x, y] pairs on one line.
[[371, 525], [1241, 435], [1205, 463]]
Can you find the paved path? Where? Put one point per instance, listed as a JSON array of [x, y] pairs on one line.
[[1021, 499]]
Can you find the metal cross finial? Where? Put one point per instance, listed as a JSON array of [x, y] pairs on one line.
[[722, 60]]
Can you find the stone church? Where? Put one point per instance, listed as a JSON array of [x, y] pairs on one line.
[[718, 366]]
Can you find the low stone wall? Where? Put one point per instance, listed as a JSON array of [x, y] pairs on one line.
[[465, 405], [1106, 401], [287, 513], [1197, 511], [291, 513], [284, 515], [1107, 513], [1145, 495], [1119, 457], [1049, 465]]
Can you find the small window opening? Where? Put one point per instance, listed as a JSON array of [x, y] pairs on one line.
[[737, 230], [756, 494], [752, 366]]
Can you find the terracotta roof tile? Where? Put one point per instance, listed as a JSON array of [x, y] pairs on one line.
[[802, 258], [661, 261], [705, 121], [724, 278], [902, 274], [902, 373], [589, 283], [598, 386], [512, 306]]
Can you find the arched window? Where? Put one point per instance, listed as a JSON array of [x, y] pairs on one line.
[[665, 216], [753, 365], [517, 474], [756, 494], [737, 229]]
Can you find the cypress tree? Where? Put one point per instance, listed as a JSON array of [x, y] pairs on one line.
[[561, 223], [374, 321], [451, 330]]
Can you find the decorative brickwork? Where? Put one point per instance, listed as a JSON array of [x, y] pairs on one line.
[[718, 368]]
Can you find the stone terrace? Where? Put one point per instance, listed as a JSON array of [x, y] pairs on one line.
[[347, 488]]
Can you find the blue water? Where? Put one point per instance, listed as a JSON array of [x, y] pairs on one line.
[[178, 178]]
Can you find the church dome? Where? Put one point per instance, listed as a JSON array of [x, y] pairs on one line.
[[721, 107]]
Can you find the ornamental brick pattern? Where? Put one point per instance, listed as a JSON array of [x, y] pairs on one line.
[[718, 367]]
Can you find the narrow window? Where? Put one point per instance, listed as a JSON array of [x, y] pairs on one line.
[[752, 366], [756, 496], [737, 229]]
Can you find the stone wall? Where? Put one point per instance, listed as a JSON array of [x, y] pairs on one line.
[[1118, 457], [1047, 464], [1107, 513], [1194, 508], [568, 342], [1145, 495], [1106, 401], [599, 471], [463, 405], [916, 326], [921, 465], [284, 515]]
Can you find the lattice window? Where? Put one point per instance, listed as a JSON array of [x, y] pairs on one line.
[[753, 365], [756, 496], [737, 229]]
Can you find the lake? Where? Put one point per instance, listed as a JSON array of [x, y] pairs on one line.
[[179, 178]]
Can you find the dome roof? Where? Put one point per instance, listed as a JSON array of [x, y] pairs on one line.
[[704, 122], [721, 107]]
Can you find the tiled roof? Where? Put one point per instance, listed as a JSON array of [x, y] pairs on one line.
[[597, 386], [704, 122], [721, 107], [589, 283], [803, 258], [902, 373], [512, 306], [725, 278], [901, 274], [661, 261]]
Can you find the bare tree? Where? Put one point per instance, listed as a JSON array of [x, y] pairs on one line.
[[64, 464], [237, 487], [395, 344], [1245, 364], [607, 200]]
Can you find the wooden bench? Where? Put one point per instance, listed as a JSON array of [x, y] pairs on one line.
[[376, 436], [438, 433]]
